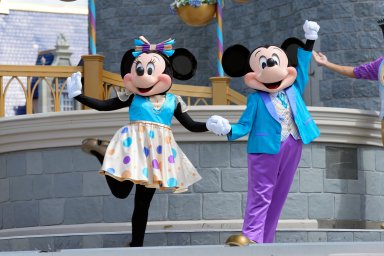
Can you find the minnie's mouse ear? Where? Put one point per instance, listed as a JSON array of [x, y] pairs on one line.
[[126, 63], [183, 63], [290, 46], [235, 61]]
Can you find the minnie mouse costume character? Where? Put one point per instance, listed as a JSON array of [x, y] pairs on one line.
[[144, 152], [277, 121]]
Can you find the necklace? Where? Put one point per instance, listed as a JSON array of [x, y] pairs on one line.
[[157, 103]]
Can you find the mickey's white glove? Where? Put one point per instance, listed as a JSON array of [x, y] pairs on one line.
[[218, 125], [311, 28], [74, 85]]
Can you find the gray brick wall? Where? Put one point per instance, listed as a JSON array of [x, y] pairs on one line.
[[76, 193], [349, 36]]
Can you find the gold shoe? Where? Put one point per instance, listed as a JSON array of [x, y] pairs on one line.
[[238, 240], [90, 145]]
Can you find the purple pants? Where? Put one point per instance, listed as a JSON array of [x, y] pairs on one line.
[[269, 181]]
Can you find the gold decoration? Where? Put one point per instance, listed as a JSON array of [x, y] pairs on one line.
[[197, 16], [238, 240]]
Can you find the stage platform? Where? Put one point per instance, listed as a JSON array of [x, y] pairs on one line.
[[295, 249]]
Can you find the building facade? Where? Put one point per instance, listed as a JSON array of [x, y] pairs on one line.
[[349, 35], [27, 30]]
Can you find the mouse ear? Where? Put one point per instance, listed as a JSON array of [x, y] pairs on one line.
[[183, 64], [235, 61], [126, 63], [290, 46]]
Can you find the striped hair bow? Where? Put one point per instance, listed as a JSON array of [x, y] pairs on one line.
[[142, 45]]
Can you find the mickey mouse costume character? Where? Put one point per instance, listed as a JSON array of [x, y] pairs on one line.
[[278, 123], [144, 151]]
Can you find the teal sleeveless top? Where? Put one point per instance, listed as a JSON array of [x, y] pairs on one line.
[[142, 109]]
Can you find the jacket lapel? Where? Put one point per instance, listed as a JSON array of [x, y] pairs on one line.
[[291, 98], [269, 105]]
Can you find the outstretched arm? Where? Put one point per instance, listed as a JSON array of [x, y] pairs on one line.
[[188, 122], [74, 87], [104, 105], [322, 60]]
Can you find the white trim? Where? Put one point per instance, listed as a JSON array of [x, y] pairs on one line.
[[47, 8], [54, 130]]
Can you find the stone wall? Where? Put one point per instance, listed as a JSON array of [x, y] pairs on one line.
[[61, 186], [349, 35]]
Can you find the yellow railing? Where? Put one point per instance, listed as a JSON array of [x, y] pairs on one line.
[[98, 83], [23, 76]]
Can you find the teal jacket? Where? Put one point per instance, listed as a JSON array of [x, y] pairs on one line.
[[262, 122]]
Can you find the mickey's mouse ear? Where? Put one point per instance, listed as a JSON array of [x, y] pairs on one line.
[[126, 63], [183, 63], [235, 61], [290, 46]]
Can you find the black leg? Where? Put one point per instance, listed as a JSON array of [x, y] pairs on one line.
[[119, 189], [143, 198]]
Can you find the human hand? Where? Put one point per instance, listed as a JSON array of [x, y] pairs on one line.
[[74, 85], [320, 58], [218, 125], [311, 28]]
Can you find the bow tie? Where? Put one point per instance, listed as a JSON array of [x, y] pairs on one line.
[[283, 99]]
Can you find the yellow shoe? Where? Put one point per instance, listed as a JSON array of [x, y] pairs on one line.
[[238, 240], [91, 145]]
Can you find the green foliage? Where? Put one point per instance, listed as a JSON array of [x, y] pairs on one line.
[[195, 3]]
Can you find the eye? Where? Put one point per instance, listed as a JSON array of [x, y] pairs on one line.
[[276, 59], [150, 68], [139, 69], [263, 62]]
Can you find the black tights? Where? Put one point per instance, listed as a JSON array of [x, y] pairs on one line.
[[143, 198]]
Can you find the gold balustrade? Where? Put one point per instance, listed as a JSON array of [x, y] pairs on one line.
[[98, 83]]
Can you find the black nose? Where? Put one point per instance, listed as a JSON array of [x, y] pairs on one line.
[[271, 62]]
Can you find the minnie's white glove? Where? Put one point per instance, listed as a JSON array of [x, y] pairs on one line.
[[218, 125], [74, 85], [311, 28]]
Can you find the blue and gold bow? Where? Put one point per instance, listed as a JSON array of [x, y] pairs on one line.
[[142, 45]]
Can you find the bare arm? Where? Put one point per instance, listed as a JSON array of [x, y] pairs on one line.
[[322, 60]]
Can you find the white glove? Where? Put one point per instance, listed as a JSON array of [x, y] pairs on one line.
[[218, 125], [74, 85], [311, 28]]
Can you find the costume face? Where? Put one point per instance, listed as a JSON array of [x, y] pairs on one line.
[[150, 73], [146, 77], [270, 71]]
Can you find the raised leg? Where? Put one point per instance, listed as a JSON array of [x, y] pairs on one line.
[[95, 147]]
